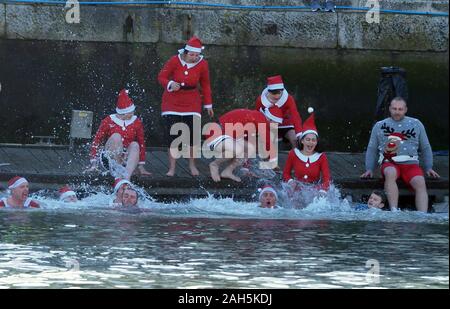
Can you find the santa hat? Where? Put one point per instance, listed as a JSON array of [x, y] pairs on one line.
[[396, 136], [194, 45], [124, 103], [267, 188], [16, 182], [118, 182], [274, 114], [309, 126], [275, 83], [66, 191]]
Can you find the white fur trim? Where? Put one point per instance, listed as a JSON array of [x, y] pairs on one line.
[[286, 127], [299, 134], [125, 110], [310, 110], [272, 117], [17, 183], [188, 65], [312, 158], [168, 86], [207, 106], [308, 132], [194, 49], [67, 194], [181, 113], [268, 189], [213, 144], [265, 101], [275, 87], [120, 183], [122, 123]]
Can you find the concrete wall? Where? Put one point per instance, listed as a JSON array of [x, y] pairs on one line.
[[297, 28]]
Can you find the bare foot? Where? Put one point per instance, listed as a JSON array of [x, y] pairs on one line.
[[230, 175], [194, 170], [214, 169], [171, 173]]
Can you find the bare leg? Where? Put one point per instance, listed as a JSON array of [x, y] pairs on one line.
[[290, 135], [214, 169], [420, 187], [239, 147], [114, 147], [172, 165], [390, 187], [228, 171], [133, 158], [192, 167]]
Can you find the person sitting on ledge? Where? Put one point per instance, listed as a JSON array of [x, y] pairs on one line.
[[67, 195], [125, 138], [377, 199], [18, 187], [267, 197]]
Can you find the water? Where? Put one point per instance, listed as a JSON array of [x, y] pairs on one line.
[[220, 243]]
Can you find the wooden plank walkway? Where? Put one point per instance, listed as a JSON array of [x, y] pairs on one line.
[[49, 167]]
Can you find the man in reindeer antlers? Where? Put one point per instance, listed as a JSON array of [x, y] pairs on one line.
[[397, 140]]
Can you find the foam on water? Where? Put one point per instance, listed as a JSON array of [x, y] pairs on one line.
[[327, 207]]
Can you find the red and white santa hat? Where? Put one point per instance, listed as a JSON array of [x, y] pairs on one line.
[[118, 182], [267, 188], [275, 83], [124, 103], [397, 136], [66, 191], [16, 182], [309, 126], [194, 45], [273, 113]]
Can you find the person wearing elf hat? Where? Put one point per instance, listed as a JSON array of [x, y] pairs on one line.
[[275, 94], [67, 195], [397, 140], [120, 185], [124, 136], [309, 166], [267, 197], [234, 139], [18, 198], [186, 83]]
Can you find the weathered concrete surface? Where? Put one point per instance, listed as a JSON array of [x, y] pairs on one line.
[[227, 27], [2, 20], [394, 32]]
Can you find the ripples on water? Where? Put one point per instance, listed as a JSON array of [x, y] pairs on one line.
[[220, 243]]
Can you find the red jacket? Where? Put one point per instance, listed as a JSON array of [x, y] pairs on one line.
[[131, 130], [309, 169], [244, 117], [291, 117], [29, 203], [187, 100]]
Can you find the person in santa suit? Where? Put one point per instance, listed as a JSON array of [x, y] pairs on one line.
[[267, 197], [186, 83], [276, 95], [124, 135], [67, 195], [19, 190], [309, 166], [235, 139]]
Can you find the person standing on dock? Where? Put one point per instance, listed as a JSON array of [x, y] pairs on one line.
[[18, 198], [309, 165], [124, 135], [397, 141], [182, 100], [276, 95]]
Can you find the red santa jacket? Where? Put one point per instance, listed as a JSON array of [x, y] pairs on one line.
[[29, 203], [291, 117], [187, 100], [247, 116], [309, 169], [130, 130]]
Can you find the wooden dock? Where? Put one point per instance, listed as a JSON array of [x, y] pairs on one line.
[[48, 167]]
